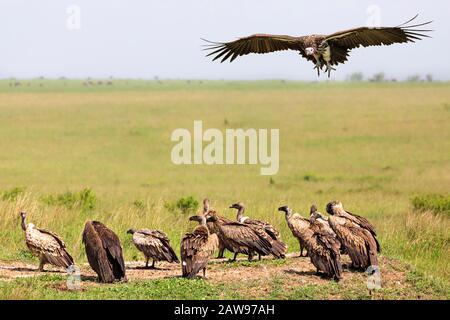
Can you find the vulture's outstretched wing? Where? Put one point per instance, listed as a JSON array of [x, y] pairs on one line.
[[377, 36], [257, 43]]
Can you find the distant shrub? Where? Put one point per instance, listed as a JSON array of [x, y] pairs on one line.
[[437, 203], [139, 204], [12, 194], [311, 178], [185, 205], [84, 199]]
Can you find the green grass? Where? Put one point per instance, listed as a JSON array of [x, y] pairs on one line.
[[373, 146], [437, 203]]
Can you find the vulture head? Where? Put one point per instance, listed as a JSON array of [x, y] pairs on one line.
[[313, 209], [334, 207], [199, 219], [205, 205], [131, 231], [212, 217], [285, 209], [238, 206], [310, 51]]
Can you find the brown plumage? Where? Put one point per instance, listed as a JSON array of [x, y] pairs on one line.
[[324, 249], [213, 229], [356, 233], [279, 248], [297, 224], [324, 223], [197, 247], [46, 245], [322, 50], [153, 244], [323, 246], [104, 252], [241, 238]]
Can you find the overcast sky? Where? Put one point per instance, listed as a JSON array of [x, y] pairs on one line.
[[148, 38]]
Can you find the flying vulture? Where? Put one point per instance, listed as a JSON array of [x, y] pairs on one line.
[[153, 244], [197, 247], [279, 248], [241, 238], [297, 224], [104, 252], [356, 233], [46, 245], [213, 229], [321, 50]]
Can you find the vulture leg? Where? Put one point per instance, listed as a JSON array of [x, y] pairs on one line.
[[234, 257], [204, 273], [259, 257], [153, 264], [146, 263], [250, 256], [220, 255], [41, 265], [318, 67], [329, 68]]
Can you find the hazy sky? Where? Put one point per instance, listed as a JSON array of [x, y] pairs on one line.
[[147, 38]]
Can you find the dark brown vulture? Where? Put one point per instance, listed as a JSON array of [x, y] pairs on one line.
[[197, 247], [104, 252], [46, 245], [279, 248], [356, 233], [324, 249], [297, 224], [322, 50], [323, 246], [213, 229], [153, 244], [241, 238]]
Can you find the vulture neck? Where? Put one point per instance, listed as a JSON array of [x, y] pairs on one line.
[[24, 226], [240, 214]]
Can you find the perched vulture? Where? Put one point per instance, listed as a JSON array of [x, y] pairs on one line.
[[104, 252], [197, 247], [321, 50], [297, 224], [319, 218], [241, 238], [46, 245], [279, 248], [213, 229], [323, 246], [356, 233], [324, 249], [153, 244]]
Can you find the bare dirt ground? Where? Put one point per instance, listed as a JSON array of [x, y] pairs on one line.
[[253, 278]]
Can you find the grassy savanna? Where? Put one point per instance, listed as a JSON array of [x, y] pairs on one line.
[[374, 146]]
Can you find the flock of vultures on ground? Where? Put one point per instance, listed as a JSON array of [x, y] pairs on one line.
[[324, 239]]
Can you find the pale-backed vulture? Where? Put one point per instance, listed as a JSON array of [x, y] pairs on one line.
[[213, 229], [297, 224], [154, 244], [197, 247], [279, 248], [104, 252], [241, 238], [46, 245], [356, 233]]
